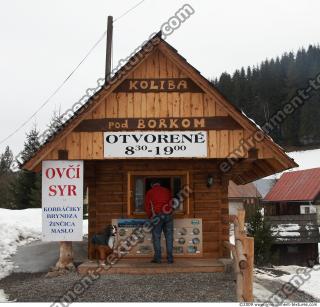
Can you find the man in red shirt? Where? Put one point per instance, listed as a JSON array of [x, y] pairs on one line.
[[159, 208]]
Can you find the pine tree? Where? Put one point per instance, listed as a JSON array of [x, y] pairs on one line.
[[260, 229], [31, 145], [225, 85], [22, 188], [263, 90], [6, 160], [6, 179], [55, 123], [35, 193], [27, 187]]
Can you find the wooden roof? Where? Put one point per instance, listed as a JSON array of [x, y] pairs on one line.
[[248, 190], [278, 161]]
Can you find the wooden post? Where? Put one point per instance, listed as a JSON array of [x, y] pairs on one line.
[[241, 216], [243, 255], [109, 48], [248, 272], [239, 236], [237, 271], [66, 253], [66, 256]]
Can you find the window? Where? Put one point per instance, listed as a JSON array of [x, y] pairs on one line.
[[140, 183], [139, 192]]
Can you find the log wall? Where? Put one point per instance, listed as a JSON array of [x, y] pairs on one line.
[[108, 192]]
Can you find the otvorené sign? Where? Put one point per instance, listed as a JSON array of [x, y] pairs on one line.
[[155, 144]]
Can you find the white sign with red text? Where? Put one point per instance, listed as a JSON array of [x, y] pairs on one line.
[[62, 200]]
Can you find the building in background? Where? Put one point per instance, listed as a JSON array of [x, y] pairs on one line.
[[293, 208], [245, 197], [264, 185]]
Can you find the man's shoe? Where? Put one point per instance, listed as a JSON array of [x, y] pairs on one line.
[[170, 261], [155, 261]]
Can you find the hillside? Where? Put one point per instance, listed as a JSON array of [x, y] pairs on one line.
[[260, 91]]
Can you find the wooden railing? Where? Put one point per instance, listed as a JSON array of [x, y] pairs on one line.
[[243, 255]]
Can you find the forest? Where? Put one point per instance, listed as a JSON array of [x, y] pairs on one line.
[[261, 91]]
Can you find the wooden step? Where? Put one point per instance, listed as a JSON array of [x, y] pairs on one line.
[[144, 266]]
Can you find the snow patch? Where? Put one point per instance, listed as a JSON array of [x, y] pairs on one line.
[[288, 227], [231, 234], [288, 234], [305, 159], [306, 279], [19, 227], [260, 293], [286, 230], [310, 227], [3, 297], [309, 277]]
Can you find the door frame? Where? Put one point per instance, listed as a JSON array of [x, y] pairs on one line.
[[153, 173]]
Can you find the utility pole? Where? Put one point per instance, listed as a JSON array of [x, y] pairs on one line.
[[109, 48]]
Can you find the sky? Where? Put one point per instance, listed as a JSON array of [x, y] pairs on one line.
[[42, 41]]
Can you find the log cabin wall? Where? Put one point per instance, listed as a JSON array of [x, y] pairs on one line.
[[221, 142], [108, 179], [108, 187]]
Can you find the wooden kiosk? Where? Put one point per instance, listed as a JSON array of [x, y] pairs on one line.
[[192, 136]]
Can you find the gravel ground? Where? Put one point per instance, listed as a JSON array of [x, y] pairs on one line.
[[177, 287]]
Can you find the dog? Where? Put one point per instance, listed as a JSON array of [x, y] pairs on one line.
[[103, 244]]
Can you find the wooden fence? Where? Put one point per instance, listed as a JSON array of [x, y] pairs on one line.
[[243, 255]]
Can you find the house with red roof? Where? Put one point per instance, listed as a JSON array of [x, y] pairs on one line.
[[293, 208], [245, 196]]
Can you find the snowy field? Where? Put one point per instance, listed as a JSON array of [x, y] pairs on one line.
[[303, 278], [18, 227], [305, 159]]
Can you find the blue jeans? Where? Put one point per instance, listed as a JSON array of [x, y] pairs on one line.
[[162, 222]]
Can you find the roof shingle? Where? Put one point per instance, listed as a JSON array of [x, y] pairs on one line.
[[296, 186]]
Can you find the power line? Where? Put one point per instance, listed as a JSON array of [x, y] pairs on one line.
[[68, 77], [55, 91], [129, 10]]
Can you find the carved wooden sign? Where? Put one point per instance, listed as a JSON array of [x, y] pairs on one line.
[[167, 123], [159, 85]]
